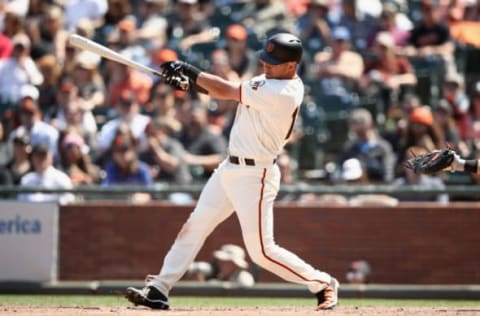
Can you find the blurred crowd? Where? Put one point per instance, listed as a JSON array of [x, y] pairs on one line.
[[385, 80]]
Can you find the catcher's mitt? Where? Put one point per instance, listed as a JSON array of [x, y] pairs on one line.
[[432, 162]]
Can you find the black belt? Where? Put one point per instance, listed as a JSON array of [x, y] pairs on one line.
[[248, 161]]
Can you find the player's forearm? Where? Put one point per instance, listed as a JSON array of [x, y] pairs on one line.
[[218, 87]]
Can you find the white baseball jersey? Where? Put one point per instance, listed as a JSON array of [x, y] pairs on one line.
[[265, 117], [263, 124]]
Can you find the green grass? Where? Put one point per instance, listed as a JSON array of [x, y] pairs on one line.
[[187, 301]]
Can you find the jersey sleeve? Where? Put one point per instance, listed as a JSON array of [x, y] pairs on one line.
[[256, 93]]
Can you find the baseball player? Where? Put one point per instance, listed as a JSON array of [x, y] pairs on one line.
[[248, 180]]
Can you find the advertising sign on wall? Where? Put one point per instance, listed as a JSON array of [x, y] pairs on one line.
[[28, 241]]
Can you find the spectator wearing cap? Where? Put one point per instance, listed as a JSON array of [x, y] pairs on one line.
[[422, 180], [422, 131], [160, 56], [353, 172], [31, 119], [125, 79], [359, 23], [340, 69], [93, 10], [20, 164], [129, 42], [242, 59], [388, 72], [19, 70], [455, 95], [45, 175], [228, 264], [90, 85], [374, 153], [165, 153], [75, 161], [315, 25], [128, 111]]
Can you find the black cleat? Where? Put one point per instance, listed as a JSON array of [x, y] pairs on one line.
[[148, 296]]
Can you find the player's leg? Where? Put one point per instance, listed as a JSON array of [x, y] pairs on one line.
[[254, 207], [212, 208]]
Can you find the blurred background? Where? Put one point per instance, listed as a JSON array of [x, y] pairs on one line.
[[101, 164]]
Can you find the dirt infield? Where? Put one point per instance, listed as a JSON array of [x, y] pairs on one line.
[[250, 311]]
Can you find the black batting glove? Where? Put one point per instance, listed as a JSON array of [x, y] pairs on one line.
[[178, 67]]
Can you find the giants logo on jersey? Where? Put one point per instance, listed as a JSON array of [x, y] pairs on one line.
[[257, 84]]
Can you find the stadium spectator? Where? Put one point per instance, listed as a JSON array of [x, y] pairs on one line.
[[314, 26], [263, 16], [165, 154], [423, 180], [162, 101], [128, 42], [388, 23], [431, 37], [5, 148], [39, 46], [93, 10], [31, 119], [12, 23], [45, 175], [457, 99], [359, 272], [50, 69], [128, 111], [18, 71], [152, 21], [359, 23], [205, 149], [386, 74], [422, 131], [125, 168], [353, 172], [6, 47], [188, 26], [54, 34], [369, 148], [340, 69], [443, 116], [242, 59], [20, 164], [124, 79], [227, 265], [475, 118], [220, 66], [90, 85], [462, 31], [158, 57], [75, 161]]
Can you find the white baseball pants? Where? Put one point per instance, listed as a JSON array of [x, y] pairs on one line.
[[250, 191]]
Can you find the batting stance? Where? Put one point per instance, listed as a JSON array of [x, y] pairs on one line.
[[248, 181]]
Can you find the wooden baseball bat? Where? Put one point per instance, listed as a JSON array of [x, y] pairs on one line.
[[96, 48]]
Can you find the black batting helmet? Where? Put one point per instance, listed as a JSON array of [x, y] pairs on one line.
[[281, 48]]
